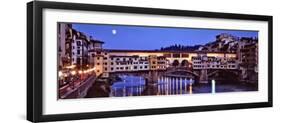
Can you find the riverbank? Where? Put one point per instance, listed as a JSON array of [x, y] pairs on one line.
[[102, 86]]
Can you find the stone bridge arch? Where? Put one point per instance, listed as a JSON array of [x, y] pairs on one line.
[[182, 73], [180, 63], [223, 75]]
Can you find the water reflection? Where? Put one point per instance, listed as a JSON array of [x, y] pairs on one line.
[[128, 86], [136, 86]]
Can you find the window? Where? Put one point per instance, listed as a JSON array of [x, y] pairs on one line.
[[185, 55], [167, 55], [78, 43], [135, 67], [140, 67], [98, 63], [112, 63], [105, 58], [98, 58], [112, 68], [127, 68], [78, 51], [176, 55], [105, 68], [145, 66]]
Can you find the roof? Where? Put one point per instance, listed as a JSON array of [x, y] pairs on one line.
[[133, 56], [97, 41], [159, 51]]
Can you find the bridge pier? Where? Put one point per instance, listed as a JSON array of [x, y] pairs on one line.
[[203, 78], [152, 77]]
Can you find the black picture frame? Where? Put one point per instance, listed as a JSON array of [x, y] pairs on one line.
[[35, 69]]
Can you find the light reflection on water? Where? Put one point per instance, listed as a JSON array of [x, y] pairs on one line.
[[136, 86]]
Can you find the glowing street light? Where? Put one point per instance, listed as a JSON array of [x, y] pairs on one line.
[[73, 72], [80, 71], [85, 71], [70, 67], [60, 74]]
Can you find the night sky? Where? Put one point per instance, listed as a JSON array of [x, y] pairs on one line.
[[150, 38]]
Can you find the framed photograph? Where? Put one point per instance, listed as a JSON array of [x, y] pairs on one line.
[[89, 61]]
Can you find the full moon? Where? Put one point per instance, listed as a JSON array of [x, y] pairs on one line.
[[114, 31]]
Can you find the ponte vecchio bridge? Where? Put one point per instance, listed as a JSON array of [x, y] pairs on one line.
[[201, 66]]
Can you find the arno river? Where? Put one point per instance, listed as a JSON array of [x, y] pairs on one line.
[[132, 85]]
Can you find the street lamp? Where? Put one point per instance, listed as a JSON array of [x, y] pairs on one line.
[[60, 74], [81, 75], [73, 72], [80, 71], [61, 78]]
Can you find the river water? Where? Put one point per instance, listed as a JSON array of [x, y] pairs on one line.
[[130, 85]]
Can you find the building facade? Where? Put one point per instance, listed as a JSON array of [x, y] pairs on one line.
[[73, 47], [248, 58], [218, 61]]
